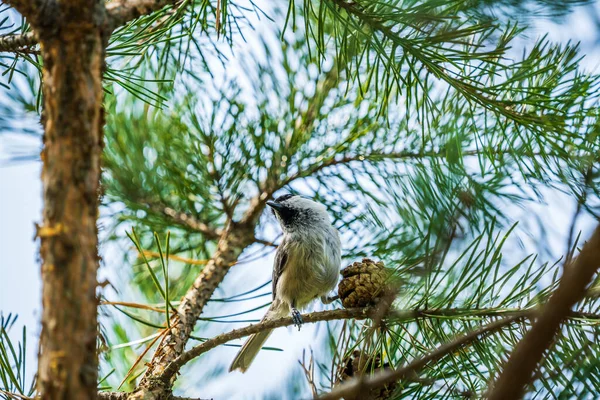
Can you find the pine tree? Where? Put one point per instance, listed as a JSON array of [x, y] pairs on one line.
[[421, 126]]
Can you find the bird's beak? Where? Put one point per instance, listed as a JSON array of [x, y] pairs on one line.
[[275, 206]]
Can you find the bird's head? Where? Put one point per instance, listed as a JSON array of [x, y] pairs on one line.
[[293, 211]]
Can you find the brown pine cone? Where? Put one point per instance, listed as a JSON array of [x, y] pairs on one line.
[[359, 364], [363, 283]]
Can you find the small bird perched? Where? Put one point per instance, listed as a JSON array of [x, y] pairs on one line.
[[307, 264]]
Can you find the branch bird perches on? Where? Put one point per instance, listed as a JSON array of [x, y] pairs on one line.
[[506, 317]]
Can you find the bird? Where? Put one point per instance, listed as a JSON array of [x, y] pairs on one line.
[[306, 267]]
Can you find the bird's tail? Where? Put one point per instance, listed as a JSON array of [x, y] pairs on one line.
[[255, 342]]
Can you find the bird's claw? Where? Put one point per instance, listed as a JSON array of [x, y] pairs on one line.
[[297, 318]]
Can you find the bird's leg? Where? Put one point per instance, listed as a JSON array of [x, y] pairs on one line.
[[329, 299], [296, 317]]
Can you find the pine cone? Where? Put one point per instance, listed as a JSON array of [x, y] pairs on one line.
[[363, 283], [359, 364]]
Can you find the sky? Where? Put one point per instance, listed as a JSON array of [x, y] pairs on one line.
[[20, 208], [21, 205]]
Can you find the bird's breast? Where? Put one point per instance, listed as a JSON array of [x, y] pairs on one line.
[[310, 272]]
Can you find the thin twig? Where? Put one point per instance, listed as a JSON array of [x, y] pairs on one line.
[[266, 243], [401, 155], [132, 305], [186, 220], [154, 254], [15, 395], [123, 11], [125, 396], [518, 371], [139, 358], [309, 371], [580, 203]]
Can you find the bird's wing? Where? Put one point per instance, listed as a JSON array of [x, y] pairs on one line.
[[281, 258]]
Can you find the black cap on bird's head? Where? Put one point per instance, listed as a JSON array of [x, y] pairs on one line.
[[292, 209], [278, 203]]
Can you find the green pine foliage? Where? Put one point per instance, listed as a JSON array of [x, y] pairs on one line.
[[14, 376], [416, 124], [419, 124]]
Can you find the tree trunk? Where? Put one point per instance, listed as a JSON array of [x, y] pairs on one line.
[[73, 119]]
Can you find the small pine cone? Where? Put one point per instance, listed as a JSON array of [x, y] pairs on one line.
[[359, 363], [363, 283]]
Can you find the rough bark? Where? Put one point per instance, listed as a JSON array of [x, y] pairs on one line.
[[73, 52]]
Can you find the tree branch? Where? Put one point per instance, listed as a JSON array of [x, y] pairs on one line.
[[435, 66], [17, 396], [17, 43], [186, 220], [41, 14], [233, 241], [165, 377], [351, 313], [120, 12], [175, 366], [518, 371], [403, 155], [374, 156], [191, 222], [123, 11], [124, 395], [357, 385], [301, 131]]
